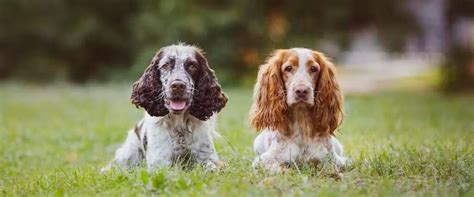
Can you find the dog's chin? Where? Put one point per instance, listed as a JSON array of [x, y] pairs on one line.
[[177, 106], [301, 104]]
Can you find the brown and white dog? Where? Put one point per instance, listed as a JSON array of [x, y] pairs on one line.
[[297, 108]]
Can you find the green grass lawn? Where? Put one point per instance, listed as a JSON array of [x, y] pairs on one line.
[[54, 140]]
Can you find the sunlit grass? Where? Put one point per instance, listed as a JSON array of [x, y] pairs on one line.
[[55, 138]]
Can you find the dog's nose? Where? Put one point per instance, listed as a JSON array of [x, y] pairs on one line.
[[178, 86], [302, 92]]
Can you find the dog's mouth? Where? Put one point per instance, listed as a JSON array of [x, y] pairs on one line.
[[177, 105], [302, 103]]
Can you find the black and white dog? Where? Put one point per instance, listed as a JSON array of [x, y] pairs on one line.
[[181, 96]]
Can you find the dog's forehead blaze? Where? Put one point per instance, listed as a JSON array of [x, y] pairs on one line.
[[179, 52], [306, 55], [293, 57]]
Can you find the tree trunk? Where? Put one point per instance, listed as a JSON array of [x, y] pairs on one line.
[[459, 64]]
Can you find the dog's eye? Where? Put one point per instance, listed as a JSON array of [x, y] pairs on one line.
[[314, 69], [165, 66], [192, 67], [288, 69]]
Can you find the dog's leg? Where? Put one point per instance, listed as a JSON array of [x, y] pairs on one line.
[[204, 151], [262, 142], [159, 150], [336, 151], [273, 152], [129, 154]]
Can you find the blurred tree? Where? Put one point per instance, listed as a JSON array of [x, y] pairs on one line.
[[85, 39], [459, 64], [73, 39], [239, 34], [229, 30]]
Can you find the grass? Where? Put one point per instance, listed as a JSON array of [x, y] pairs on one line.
[[54, 140]]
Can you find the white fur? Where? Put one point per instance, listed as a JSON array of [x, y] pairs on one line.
[[164, 144], [300, 77], [274, 149]]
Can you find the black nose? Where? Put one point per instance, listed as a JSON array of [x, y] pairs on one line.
[[302, 92], [178, 86]]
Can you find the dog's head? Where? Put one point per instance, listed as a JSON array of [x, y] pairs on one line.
[[179, 79], [297, 79]]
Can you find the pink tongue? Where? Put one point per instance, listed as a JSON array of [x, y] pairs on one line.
[[177, 105]]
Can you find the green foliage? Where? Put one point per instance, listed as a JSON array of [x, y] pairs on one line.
[[56, 138], [459, 70], [458, 66], [83, 40], [71, 39]]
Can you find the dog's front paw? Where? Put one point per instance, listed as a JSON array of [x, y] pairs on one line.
[[342, 163], [269, 165], [210, 166], [256, 163], [106, 168]]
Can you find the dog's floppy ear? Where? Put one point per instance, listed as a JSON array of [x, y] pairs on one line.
[[328, 98], [208, 97], [147, 91], [269, 106]]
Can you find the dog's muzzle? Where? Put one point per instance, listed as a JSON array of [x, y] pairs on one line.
[[179, 98]]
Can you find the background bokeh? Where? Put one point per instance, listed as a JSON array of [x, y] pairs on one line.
[[83, 41], [406, 68]]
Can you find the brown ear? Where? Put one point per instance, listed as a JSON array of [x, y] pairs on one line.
[[208, 96], [269, 100], [328, 98], [147, 91]]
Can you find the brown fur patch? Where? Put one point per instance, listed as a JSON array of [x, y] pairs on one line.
[[270, 109]]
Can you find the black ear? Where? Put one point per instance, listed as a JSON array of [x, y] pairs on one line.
[[208, 97], [147, 91]]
